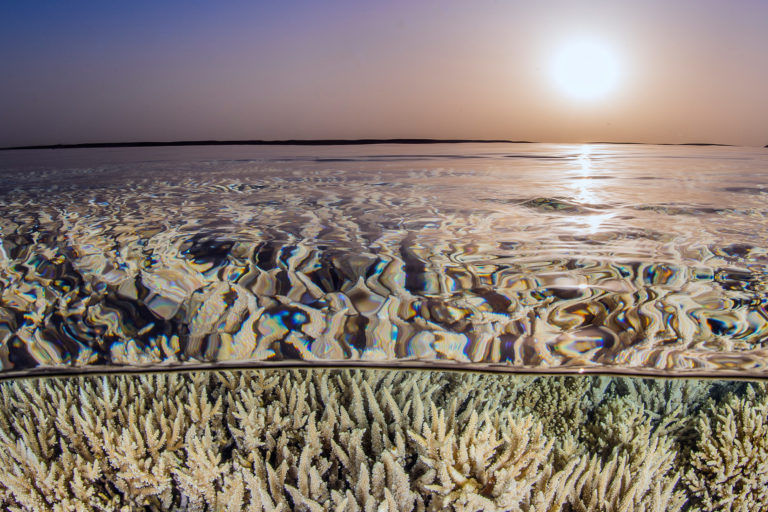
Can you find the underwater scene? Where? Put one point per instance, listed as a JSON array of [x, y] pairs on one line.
[[394, 327], [381, 440]]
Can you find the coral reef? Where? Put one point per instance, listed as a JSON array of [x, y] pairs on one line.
[[729, 463], [368, 440]]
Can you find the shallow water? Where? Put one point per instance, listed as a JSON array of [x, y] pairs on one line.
[[526, 257], [365, 440]]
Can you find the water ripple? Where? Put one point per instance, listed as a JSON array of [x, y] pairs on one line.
[[519, 264]]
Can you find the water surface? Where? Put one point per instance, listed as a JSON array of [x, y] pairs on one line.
[[505, 257]]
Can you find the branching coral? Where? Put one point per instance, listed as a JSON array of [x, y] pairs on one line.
[[364, 441], [633, 466], [729, 465]]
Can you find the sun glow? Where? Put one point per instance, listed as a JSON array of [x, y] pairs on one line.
[[585, 70]]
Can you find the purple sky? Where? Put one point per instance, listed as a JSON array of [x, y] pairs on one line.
[[693, 71]]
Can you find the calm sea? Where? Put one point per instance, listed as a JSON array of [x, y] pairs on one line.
[[627, 259]]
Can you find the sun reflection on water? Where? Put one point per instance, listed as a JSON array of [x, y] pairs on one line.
[[587, 192]]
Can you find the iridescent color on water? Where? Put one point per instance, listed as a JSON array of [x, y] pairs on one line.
[[529, 257]]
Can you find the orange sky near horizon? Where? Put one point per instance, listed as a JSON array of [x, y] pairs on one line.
[[692, 71]]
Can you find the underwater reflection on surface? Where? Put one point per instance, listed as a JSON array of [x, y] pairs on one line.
[[507, 257]]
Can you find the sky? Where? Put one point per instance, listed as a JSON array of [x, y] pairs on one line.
[[96, 71]]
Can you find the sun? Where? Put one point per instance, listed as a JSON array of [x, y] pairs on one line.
[[585, 70]]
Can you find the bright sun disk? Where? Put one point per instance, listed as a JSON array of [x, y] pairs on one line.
[[585, 70]]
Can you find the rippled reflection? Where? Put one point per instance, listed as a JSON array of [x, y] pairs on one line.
[[538, 258]]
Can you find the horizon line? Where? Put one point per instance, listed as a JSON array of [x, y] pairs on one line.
[[324, 142]]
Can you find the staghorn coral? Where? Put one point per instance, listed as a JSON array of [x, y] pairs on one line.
[[671, 405], [485, 466], [561, 404], [616, 461], [237, 441], [633, 466], [729, 464], [361, 441]]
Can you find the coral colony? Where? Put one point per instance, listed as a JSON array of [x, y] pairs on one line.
[[370, 440]]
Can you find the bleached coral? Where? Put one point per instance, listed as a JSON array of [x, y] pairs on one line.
[[670, 405], [633, 466], [250, 440], [729, 465], [490, 468], [361, 441]]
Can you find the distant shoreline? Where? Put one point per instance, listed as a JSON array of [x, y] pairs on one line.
[[291, 142], [315, 142], [666, 143]]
